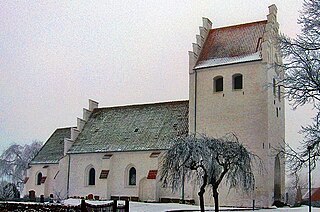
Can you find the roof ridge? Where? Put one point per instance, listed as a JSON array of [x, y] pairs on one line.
[[140, 104], [237, 25]]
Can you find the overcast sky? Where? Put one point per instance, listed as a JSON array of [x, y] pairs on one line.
[[55, 55]]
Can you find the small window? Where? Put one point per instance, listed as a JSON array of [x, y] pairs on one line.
[[218, 84], [154, 154], [104, 174], [277, 112], [279, 93], [107, 156], [39, 177], [132, 176], [92, 176], [237, 81], [274, 87]]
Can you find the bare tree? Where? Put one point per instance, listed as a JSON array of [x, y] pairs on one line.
[[186, 159], [209, 160], [230, 160], [14, 161], [302, 79], [296, 182]]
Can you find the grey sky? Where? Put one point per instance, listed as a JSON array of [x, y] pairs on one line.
[[54, 55]]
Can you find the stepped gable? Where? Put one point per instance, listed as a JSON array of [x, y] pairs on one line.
[[133, 128], [232, 44], [52, 150]]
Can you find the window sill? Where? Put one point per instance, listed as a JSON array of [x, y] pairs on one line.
[[130, 186]]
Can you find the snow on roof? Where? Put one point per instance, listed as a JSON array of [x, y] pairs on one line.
[[228, 60]]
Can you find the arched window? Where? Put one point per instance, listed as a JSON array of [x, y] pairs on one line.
[[92, 177], [237, 81], [132, 176], [218, 84], [39, 177]]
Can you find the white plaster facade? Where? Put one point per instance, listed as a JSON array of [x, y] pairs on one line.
[[254, 113], [48, 171]]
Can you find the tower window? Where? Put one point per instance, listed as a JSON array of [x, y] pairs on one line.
[[92, 177], [132, 176], [279, 93], [218, 84], [237, 81]]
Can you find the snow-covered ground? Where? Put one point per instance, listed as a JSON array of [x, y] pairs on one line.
[[161, 207], [75, 202]]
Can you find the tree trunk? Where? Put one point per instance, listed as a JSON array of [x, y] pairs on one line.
[[216, 199], [201, 200], [201, 192]]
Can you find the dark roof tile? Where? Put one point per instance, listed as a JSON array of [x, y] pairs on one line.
[[133, 128], [52, 150]]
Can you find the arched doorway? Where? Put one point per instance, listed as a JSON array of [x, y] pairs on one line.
[[277, 179]]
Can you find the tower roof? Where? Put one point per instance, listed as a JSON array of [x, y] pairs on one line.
[[232, 44]]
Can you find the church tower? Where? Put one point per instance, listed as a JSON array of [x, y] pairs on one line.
[[233, 89]]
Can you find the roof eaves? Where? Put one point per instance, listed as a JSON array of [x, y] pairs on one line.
[[214, 63], [226, 64], [43, 162], [114, 151]]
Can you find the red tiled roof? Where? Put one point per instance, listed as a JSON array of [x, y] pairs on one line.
[[315, 194], [152, 174], [233, 41]]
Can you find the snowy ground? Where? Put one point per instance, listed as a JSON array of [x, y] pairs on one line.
[[75, 202], [161, 207]]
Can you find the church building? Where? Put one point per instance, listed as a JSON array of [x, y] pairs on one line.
[[115, 152]]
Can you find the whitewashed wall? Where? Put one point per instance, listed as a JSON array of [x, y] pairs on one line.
[[117, 182], [45, 188]]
